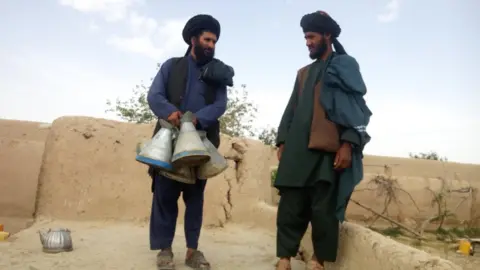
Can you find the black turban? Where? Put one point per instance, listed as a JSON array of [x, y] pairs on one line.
[[320, 22], [199, 23]]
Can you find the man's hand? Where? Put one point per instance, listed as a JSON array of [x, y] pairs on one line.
[[194, 121], [343, 159], [279, 152], [174, 118]]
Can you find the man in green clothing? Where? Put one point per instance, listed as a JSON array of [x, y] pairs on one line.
[[307, 176]]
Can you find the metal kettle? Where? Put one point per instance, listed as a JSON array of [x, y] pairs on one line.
[[56, 240]]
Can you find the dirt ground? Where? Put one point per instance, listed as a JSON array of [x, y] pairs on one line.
[[108, 245], [15, 224], [445, 251], [104, 183]]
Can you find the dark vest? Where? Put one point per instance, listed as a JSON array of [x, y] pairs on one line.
[[176, 87], [324, 134]]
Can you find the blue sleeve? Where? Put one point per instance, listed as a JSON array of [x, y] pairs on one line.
[[350, 135], [157, 98], [210, 114]]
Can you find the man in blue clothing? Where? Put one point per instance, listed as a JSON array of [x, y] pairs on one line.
[[179, 87]]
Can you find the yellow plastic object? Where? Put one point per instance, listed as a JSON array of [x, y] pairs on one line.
[[4, 236], [464, 247]]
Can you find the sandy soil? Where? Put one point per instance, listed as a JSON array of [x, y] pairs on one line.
[[15, 224], [445, 251], [467, 262], [108, 245], [101, 186]]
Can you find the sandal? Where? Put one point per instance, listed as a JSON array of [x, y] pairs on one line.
[[197, 261], [283, 265], [165, 260]]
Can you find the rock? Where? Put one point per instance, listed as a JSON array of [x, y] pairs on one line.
[[232, 154], [239, 145], [410, 223]]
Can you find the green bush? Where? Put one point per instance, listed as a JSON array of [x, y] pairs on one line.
[[273, 176]]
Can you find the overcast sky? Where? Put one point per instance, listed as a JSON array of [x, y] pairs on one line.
[[420, 60]]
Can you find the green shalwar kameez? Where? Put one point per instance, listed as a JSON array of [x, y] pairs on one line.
[[306, 179]]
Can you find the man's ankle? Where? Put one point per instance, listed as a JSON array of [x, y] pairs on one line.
[[190, 251], [314, 258], [283, 263]]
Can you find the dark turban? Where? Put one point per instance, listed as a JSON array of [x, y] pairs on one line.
[[199, 23], [320, 22]]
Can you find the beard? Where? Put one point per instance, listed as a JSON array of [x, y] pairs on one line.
[[203, 55], [319, 50]]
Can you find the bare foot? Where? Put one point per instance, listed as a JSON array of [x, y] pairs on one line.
[[315, 265], [284, 264]]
